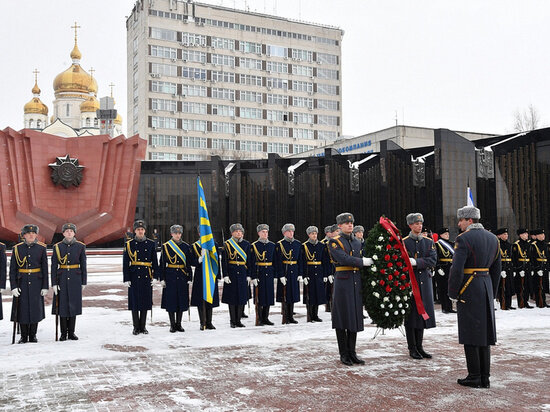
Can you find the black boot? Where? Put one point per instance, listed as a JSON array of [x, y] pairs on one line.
[[290, 313], [172, 317], [135, 320], [71, 323], [315, 314], [33, 327], [341, 336], [24, 333], [309, 314], [238, 315], [419, 333], [411, 343], [209, 325], [485, 365], [473, 379], [352, 339], [179, 315], [201, 317], [63, 325], [143, 322], [232, 317], [265, 316], [243, 314]]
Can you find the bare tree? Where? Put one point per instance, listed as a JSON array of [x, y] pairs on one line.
[[527, 120]]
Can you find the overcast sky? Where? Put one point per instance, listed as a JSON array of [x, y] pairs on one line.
[[467, 65]]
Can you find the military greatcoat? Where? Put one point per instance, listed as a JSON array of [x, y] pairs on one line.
[[262, 267], [287, 258], [3, 269], [313, 261], [506, 284], [29, 272], [236, 266], [477, 261], [140, 266], [69, 273], [176, 271]]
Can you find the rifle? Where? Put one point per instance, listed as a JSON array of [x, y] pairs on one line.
[[56, 316], [308, 307], [15, 323], [257, 305], [283, 302]]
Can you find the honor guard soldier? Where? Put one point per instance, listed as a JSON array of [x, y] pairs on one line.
[[69, 278], [330, 232], [521, 262], [139, 267], [3, 271], [445, 253], [423, 258], [539, 265], [29, 283], [262, 272], [156, 239], [473, 282], [236, 274], [313, 260], [506, 284], [288, 272], [347, 303], [175, 276], [204, 308], [359, 232]]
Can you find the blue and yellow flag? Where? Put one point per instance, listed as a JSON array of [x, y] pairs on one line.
[[210, 263]]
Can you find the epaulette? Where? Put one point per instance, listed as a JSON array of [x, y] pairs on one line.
[[335, 237], [17, 244], [41, 244], [460, 234], [253, 243], [516, 242], [2, 244], [82, 243], [406, 237]]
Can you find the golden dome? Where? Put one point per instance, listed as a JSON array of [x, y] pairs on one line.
[[75, 80], [36, 106], [93, 86], [118, 119], [36, 89], [90, 105], [75, 53]]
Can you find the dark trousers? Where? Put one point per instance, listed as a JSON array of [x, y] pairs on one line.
[[346, 342], [478, 362]]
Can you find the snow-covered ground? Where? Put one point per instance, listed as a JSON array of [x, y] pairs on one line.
[[290, 367]]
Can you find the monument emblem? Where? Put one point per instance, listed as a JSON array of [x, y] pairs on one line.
[[66, 171]]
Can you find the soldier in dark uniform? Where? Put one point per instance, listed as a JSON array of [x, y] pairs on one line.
[[423, 257], [359, 232], [288, 271], [330, 232], [140, 267], [3, 274], [521, 262], [236, 274], [204, 308], [156, 239], [69, 278], [347, 308], [539, 265], [262, 272], [506, 284], [445, 253], [175, 276], [473, 281], [29, 283], [313, 259]]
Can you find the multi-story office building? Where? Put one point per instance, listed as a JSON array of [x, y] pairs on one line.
[[208, 80]]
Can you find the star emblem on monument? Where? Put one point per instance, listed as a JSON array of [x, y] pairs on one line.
[[66, 171]]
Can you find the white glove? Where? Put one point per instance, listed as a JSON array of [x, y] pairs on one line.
[[201, 258], [522, 273], [441, 272], [300, 279], [163, 283], [367, 261], [325, 279], [331, 278], [152, 281], [226, 279], [283, 281], [1, 290], [128, 283], [514, 273], [55, 289], [503, 274], [16, 292], [413, 261], [453, 300], [189, 282], [540, 273], [248, 280], [83, 287], [255, 282], [44, 292], [306, 281]]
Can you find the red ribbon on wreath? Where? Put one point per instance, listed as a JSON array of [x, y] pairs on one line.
[[394, 234]]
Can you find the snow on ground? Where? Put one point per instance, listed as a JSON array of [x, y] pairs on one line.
[[290, 367]]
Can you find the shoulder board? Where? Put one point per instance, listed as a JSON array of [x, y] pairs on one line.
[[426, 237], [20, 243], [3, 244], [165, 243], [304, 243], [184, 242], [196, 243], [280, 241], [335, 237], [41, 244], [460, 234], [128, 241], [57, 243], [254, 242], [406, 237], [150, 240], [516, 242], [82, 243]]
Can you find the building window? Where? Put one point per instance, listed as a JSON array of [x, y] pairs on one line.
[[276, 51], [222, 43], [250, 47], [327, 120], [223, 110], [194, 56], [163, 70], [276, 67], [222, 60], [250, 63], [68, 110], [276, 83], [303, 134], [277, 148], [163, 104], [164, 140], [302, 55], [326, 58], [327, 104], [300, 86], [302, 118], [250, 80], [193, 90], [193, 73], [163, 156], [299, 148], [247, 96], [275, 131], [277, 115], [164, 87], [222, 76], [195, 125], [192, 107], [163, 34], [223, 127], [251, 146], [326, 135], [277, 99], [302, 70], [224, 144], [224, 94], [158, 122], [302, 102], [166, 52], [194, 142], [327, 89], [251, 130]]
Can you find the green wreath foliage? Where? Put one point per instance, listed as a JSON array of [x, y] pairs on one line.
[[386, 284]]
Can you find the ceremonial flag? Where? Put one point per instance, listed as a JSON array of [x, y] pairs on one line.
[[470, 197], [210, 263]]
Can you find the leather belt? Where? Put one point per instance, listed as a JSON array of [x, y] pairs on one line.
[[445, 260], [471, 271], [314, 263], [175, 266], [148, 264], [264, 263], [30, 270], [523, 260], [236, 262], [541, 260], [346, 269], [290, 262], [69, 266], [506, 260]]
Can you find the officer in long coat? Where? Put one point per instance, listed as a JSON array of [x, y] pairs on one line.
[[445, 251], [69, 278], [3, 274], [288, 271], [521, 251], [262, 272], [236, 273], [347, 302], [175, 275], [204, 308], [506, 284], [29, 283], [473, 282], [313, 260], [139, 268], [330, 232], [423, 258], [539, 265]]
